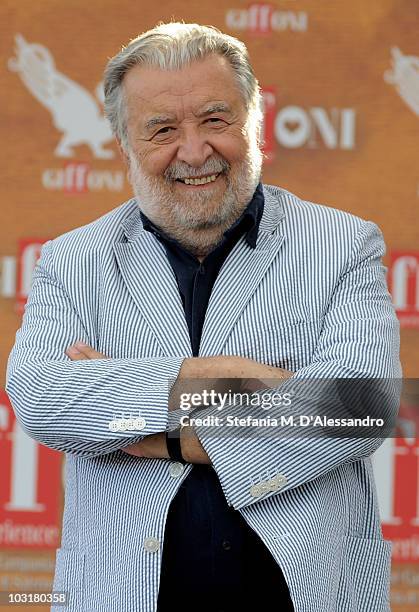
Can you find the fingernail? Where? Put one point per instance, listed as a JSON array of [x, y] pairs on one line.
[[80, 344], [72, 350]]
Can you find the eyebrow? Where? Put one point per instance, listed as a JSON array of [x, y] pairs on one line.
[[217, 107], [159, 120]]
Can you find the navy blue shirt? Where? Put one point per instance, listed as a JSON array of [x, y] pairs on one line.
[[212, 560], [196, 280]]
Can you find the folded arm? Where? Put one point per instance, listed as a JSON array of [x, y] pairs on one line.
[[68, 405], [359, 339]]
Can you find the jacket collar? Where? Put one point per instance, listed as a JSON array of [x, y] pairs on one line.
[[273, 212]]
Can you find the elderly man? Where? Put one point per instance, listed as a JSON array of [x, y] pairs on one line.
[[205, 274]]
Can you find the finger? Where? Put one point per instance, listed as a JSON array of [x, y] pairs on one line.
[[133, 449], [75, 354], [89, 351], [81, 348], [250, 385]]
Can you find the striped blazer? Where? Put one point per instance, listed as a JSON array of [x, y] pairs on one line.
[[311, 298]]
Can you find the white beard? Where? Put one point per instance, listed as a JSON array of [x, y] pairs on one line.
[[197, 221]]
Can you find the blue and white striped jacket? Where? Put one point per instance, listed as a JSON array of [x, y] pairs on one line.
[[311, 298]]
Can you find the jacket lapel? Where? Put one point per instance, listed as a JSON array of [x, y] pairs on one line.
[[150, 280], [152, 285], [239, 278]]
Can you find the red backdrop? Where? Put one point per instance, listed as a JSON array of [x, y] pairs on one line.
[[341, 91]]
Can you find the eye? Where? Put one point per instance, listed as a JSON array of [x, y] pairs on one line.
[[164, 130], [215, 120]]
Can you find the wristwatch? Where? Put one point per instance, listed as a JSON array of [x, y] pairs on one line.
[[173, 445]]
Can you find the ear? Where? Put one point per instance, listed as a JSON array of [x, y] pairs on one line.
[[125, 158], [124, 155]]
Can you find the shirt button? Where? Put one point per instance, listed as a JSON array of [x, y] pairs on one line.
[[176, 469], [226, 545], [151, 545]]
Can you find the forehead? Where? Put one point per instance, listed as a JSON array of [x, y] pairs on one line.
[[153, 90]]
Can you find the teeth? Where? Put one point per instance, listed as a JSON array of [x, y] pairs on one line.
[[200, 181]]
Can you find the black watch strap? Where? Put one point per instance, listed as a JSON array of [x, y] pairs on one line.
[[173, 445]]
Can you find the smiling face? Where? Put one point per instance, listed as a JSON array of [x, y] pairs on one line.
[[193, 158]]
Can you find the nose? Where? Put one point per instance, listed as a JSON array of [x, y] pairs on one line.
[[194, 149]]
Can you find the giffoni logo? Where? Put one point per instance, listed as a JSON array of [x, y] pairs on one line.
[[75, 111], [404, 75]]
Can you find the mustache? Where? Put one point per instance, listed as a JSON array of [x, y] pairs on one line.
[[181, 170]]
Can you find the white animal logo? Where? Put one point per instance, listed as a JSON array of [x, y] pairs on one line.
[[405, 76], [75, 112]]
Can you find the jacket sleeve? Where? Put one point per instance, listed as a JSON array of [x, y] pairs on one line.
[[68, 405], [359, 340]]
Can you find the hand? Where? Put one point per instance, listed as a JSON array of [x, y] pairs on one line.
[[224, 373], [192, 449], [262, 376], [152, 446], [81, 351], [249, 374]]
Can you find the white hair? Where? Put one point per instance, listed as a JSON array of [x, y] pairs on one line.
[[171, 46]]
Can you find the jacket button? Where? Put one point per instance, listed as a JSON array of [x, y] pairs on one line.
[[256, 490], [139, 423], [114, 425], [129, 424], [176, 469], [151, 545], [260, 489], [277, 482], [123, 424], [264, 487]]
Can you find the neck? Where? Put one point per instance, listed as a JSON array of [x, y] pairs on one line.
[[198, 241]]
